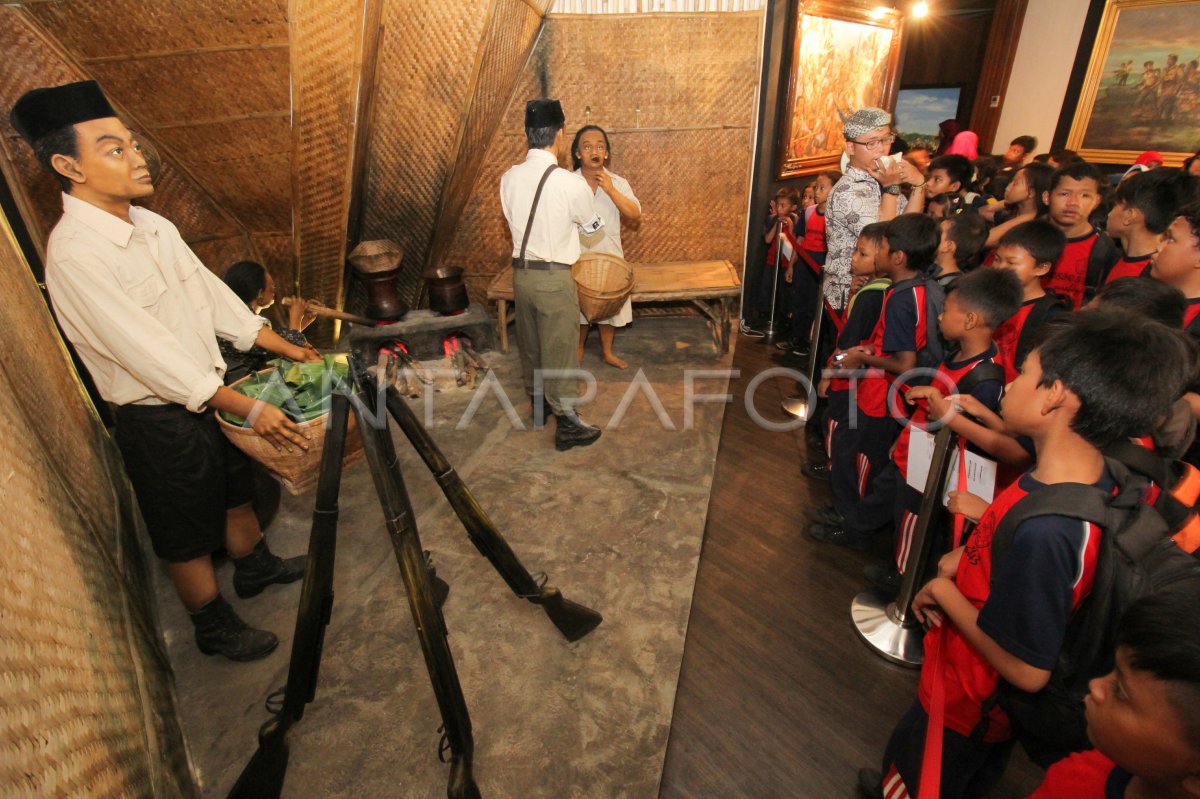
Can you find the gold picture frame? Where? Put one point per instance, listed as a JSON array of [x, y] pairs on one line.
[[1140, 93], [846, 57]]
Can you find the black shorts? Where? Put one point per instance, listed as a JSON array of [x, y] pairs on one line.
[[185, 474]]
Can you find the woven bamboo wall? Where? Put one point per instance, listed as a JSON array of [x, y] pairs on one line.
[[326, 68], [43, 61], [676, 94], [510, 35], [419, 103], [88, 706], [208, 79]]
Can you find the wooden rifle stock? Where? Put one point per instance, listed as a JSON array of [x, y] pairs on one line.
[[572, 619], [263, 776]]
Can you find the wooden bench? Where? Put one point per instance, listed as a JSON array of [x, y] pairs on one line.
[[712, 286]]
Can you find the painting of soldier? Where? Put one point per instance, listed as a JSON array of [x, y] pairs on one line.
[[1143, 86]]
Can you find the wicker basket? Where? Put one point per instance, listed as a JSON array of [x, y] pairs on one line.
[[297, 470], [604, 282], [379, 255]]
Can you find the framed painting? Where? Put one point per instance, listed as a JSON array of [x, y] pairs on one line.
[[921, 109], [843, 57], [1142, 90]]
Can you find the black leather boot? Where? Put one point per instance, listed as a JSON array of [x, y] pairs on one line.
[[571, 431], [254, 572], [220, 631]]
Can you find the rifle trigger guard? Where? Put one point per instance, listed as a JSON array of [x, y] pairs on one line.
[[274, 703], [539, 578], [444, 745]]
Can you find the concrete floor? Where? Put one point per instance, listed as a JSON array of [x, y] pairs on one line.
[[617, 525]]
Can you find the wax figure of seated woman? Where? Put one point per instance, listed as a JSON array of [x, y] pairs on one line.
[[253, 284]]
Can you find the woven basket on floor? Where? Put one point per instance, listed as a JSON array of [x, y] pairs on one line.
[[604, 282], [297, 470]]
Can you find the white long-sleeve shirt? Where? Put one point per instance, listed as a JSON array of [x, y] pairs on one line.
[[141, 309], [566, 205]]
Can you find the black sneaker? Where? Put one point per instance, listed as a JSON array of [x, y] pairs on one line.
[[816, 471], [747, 330], [825, 514], [870, 784], [836, 534], [220, 631], [884, 579]]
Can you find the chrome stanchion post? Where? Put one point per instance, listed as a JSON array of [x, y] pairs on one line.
[[891, 628]]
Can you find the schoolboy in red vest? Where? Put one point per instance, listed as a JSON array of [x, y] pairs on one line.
[[862, 314], [1029, 250], [804, 276], [1088, 385], [1075, 192], [906, 256], [976, 306], [1142, 717], [1145, 205], [979, 303], [1177, 263]]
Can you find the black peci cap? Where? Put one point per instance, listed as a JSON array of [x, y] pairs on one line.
[[543, 114], [43, 111]]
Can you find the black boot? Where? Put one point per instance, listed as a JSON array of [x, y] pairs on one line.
[[219, 631], [254, 572], [571, 431]]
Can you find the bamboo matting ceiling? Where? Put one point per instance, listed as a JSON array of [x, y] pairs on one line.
[[209, 79], [45, 61]]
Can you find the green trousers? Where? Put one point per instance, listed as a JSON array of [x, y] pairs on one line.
[[548, 330]]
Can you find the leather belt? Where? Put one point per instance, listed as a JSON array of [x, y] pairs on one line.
[[531, 264]]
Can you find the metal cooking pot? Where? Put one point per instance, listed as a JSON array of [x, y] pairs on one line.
[[447, 292]]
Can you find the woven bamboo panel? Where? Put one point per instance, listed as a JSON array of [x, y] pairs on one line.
[[420, 98], [38, 64], [505, 49], [274, 250], [214, 85], [326, 47], [88, 706], [694, 72], [219, 254], [245, 165], [185, 64], [105, 28], [176, 198], [690, 70]]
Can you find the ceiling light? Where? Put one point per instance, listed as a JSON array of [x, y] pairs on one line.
[[920, 9]]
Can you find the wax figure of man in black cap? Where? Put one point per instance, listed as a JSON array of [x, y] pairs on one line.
[[546, 207], [144, 315]]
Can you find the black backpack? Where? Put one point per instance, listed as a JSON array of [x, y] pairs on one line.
[[1101, 259], [1034, 321], [1137, 557]]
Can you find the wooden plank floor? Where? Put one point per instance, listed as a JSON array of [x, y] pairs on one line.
[[778, 698]]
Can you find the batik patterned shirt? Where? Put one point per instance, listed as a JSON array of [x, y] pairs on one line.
[[853, 204]]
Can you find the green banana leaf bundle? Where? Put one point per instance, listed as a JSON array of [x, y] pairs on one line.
[[300, 390]]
